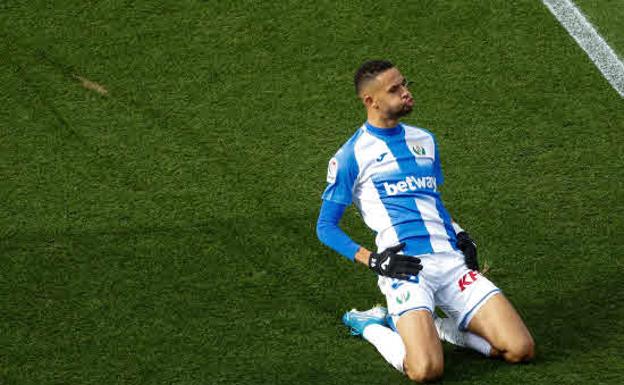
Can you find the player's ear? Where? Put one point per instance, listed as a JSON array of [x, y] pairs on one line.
[[368, 100]]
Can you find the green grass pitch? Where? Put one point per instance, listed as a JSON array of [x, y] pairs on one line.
[[163, 232]]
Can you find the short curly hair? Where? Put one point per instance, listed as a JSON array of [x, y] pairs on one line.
[[368, 71]]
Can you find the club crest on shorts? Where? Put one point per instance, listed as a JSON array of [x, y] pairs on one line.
[[403, 297]]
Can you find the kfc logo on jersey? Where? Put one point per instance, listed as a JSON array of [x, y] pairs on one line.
[[467, 279], [332, 170]]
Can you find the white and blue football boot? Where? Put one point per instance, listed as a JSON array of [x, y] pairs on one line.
[[357, 321]]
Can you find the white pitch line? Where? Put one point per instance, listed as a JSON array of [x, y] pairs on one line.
[[592, 43]]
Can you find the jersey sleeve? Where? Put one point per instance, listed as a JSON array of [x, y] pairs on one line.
[[342, 173], [437, 165], [331, 234]]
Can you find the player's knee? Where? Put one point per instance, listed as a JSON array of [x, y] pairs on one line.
[[522, 350], [422, 376], [424, 370]]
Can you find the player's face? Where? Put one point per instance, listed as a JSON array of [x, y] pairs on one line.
[[390, 96]]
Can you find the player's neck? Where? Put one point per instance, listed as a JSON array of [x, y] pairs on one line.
[[382, 122]]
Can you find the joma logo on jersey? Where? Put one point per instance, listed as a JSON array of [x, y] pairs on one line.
[[467, 280], [381, 157], [411, 183]]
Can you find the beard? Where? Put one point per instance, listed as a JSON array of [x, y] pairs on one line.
[[401, 112]]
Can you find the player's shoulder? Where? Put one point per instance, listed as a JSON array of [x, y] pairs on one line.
[[417, 131], [347, 150], [344, 159]]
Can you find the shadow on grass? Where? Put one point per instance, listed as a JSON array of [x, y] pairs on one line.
[[566, 324], [176, 299], [194, 285]]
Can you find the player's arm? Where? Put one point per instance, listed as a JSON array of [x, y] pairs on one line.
[[464, 242], [363, 255], [388, 263], [468, 247], [330, 233]]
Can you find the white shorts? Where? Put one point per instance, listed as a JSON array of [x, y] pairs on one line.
[[444, 281]]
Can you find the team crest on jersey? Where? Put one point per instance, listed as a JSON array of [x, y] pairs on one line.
[[332, 170], [419, 150]]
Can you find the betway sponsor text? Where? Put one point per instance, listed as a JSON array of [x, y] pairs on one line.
[[411, 183]]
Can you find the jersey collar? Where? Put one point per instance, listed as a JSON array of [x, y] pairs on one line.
[[384, 131]]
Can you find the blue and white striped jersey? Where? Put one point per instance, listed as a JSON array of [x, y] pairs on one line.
[[392, 176]]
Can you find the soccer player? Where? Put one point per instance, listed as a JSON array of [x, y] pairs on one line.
[[391, 171]]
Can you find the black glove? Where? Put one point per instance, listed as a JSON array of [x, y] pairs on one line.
[[390, 264], [469, 247]]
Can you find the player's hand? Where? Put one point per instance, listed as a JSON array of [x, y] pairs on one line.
[[469, 247], [390, 264]]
